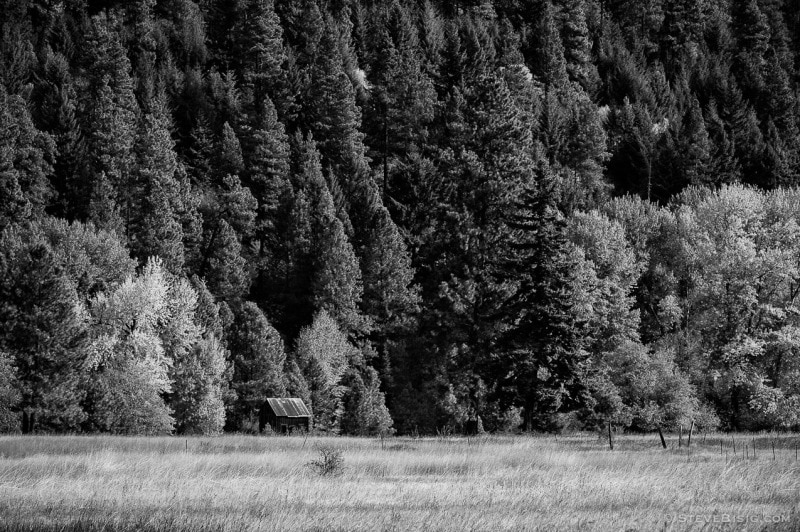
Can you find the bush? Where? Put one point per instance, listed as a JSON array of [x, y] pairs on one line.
[[330, 462]]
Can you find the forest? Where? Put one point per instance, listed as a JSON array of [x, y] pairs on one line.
[[419, 216]]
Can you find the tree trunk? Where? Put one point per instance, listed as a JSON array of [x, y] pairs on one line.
[[661, 435]]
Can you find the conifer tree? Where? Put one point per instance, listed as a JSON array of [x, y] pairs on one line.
[[258, 359], [42, 329], [229, 153], [695, 145], [154, 225], [110, 120], [14, 206], [681, 33], [267, 173], [224, 268], [577, 45], [27, 156], [199, 156], [751, 30], [337, 284], [545, 340], [330, 112], [550, 66], [259, 54], [55, 104], [723, 165]]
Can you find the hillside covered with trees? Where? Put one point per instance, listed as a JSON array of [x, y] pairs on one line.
[[416, 215]]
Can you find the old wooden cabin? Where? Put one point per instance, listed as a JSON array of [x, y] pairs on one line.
[[284, 415]]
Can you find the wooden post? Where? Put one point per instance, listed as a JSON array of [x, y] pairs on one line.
[[661, 435], [610, 441], [680, 436], [734, 445], [691, 429], [773, 450], [754, 447], [720, 447]]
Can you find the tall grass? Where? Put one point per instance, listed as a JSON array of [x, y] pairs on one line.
[[488, 483]]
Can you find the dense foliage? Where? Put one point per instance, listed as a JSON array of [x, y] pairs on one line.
[[416, 215]]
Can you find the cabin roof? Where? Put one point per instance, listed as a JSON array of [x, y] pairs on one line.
[[288, 407]]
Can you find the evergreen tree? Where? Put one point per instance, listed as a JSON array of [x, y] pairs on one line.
[[55, 103], [26, 161], [258, 358], [751, 30], [14, 207], [229, 160], [110, 118], [545, 340], [681, 33], [153, 223], [267, 174], [224, 268], [723, 165], [695, 146], [550, 65], [17, 56], [337, 285], [577, 45], [42, 329], [259, 54]]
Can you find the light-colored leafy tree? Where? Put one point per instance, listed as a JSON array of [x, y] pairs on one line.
[[155, 366], [323, 353], [652, 391], [365, 404], [9, 395], [129, 366], [197, 364]]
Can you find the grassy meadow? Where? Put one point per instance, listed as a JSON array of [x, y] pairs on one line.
[[485, 483]]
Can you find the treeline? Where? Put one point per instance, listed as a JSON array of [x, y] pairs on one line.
[[414, 215]]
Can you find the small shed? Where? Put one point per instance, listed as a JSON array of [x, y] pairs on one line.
[[284, 414]]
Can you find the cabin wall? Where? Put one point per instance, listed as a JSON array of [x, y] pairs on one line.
[[277, 423]]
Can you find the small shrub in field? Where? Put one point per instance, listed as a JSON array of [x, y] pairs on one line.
[[329, 463]]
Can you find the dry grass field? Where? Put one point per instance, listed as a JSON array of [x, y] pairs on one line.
[[488, 483]]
